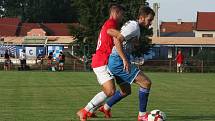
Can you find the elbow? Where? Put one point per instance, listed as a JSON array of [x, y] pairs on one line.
[[109, 32]]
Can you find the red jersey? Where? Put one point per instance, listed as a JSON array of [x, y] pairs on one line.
[[179, 58], [104, 45]]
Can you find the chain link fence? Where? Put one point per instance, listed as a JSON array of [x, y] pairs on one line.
[[73, 64], [189, 65]]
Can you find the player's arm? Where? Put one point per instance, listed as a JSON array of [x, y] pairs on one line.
[[116, 34], [119, 49], [118, 39]]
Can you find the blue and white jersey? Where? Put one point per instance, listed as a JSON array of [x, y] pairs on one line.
[[131, 32]]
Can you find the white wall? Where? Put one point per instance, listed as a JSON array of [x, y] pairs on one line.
[[199, 33]]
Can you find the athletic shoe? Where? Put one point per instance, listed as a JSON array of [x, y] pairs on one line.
[[107, 113], [143, 118], [82, 114]]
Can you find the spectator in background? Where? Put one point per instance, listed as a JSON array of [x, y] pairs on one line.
[[179, 59], [61, 61], [50, 58], [7, 62], [23, 59], [40, 57], [51, 62]]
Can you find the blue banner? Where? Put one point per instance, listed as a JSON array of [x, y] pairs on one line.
[[56, 49], [31, 51]]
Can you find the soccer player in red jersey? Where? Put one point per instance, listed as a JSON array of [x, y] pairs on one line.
[[108, 37], [179, 59]]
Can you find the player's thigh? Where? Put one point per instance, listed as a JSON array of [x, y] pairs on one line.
[[143, 80], [105, 78], [103, 74], [125, 87]]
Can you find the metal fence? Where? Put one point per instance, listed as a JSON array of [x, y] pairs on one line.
[[149, 65], [170, 66], [33, 64]]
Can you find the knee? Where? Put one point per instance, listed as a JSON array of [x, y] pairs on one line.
[[110, 93], [146, 83]]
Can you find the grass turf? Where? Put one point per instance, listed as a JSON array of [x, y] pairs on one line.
[[57, 96]]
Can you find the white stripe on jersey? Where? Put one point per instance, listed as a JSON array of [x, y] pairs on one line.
[[129, 30]]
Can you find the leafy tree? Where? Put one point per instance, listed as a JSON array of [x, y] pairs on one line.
[[91, 16], [40, 10], [95, 13], [206, 54], [1, 8], [144, 43]]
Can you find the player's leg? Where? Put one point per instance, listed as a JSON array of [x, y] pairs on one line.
[[181, 68], [9, 65], [115, 65], [108, 89], [125, 90], [145, 85], [62, 68], [5, 67], [59, 67], [178, 66], [98, 99]]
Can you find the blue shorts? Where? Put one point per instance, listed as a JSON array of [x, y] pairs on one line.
[[115, 65]]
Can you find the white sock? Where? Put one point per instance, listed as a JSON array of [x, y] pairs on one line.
[[94, 109], [97, 100], [142, 113]]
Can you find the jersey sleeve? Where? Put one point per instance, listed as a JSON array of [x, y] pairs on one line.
[[129, 30], [111, 24]]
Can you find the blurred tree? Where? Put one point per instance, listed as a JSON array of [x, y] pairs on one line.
[[40, 10], [90, 15], [206, 54], [1, 8], [93, 13]]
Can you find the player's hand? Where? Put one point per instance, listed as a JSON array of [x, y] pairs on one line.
[[126, 65]]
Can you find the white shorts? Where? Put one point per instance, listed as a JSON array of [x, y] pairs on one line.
[[179, 65], [61, 64], [103, 74]]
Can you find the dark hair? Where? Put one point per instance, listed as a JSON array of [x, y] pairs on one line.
[[145, 11], [114, 6]]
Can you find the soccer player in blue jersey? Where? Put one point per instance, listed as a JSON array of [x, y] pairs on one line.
[[131, 34]]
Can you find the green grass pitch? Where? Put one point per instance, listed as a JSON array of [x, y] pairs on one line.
[[57, 96]]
